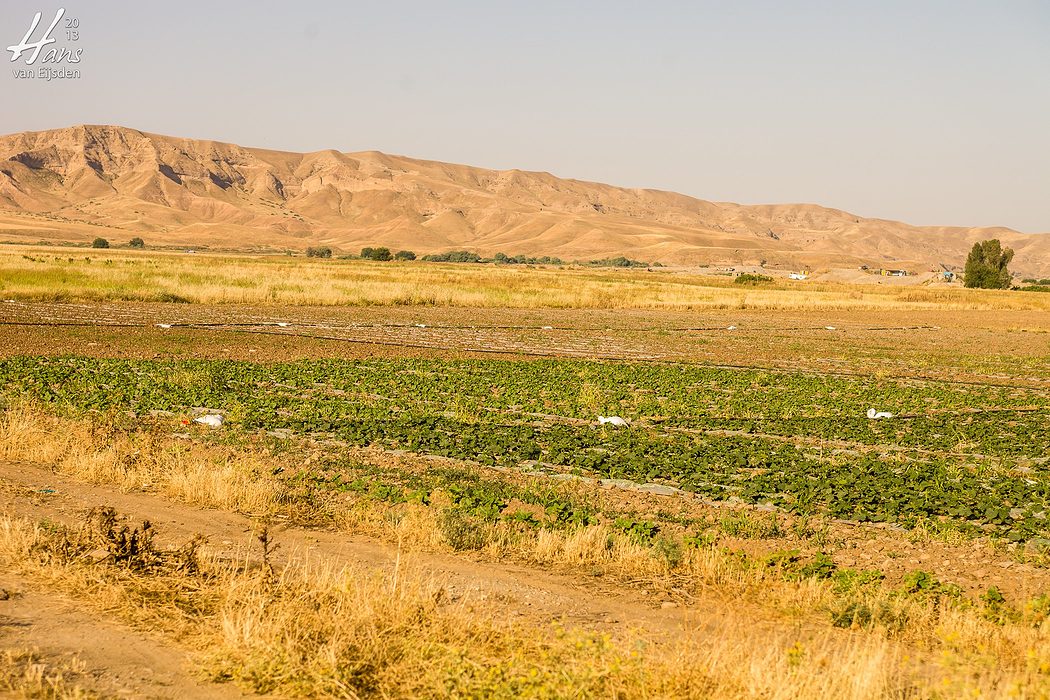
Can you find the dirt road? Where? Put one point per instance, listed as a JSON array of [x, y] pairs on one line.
[[140, 664]]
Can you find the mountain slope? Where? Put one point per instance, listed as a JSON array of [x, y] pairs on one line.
[[73, 183]]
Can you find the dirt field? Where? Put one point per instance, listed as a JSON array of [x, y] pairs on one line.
[[981, 346], [76, 645]]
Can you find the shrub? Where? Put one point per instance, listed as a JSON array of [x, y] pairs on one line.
[[380, 254], [747, 278], [526, 260], [619, 261], [986, 266], [100, 243], [136, 243], [404, 255], [454, 256]]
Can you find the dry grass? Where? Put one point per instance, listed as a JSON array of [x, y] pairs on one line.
[[312, 630], [24, 675], [56, 274], [98, 453]]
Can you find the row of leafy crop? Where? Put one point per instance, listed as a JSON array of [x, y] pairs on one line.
[[862, 488], [881, 487], [785, 404], [573, 388], [994, 433]]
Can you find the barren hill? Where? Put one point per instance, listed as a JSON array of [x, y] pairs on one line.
[[85, 181]]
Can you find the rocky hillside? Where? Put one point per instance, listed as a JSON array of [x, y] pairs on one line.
[[77, 182]]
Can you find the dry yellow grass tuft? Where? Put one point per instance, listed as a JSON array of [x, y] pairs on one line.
[[310, 630], [26, 676]]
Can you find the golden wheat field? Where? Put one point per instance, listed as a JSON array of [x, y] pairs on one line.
[[78, 274]]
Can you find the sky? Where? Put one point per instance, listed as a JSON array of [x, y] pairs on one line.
[[930, 112]]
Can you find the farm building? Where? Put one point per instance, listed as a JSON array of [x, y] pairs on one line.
[[893, 273]]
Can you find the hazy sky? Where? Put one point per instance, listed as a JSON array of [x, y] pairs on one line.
[[930, 112]]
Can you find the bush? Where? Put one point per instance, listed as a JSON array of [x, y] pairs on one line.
[[747, 278], [619, 261], [321, 252], [100, 243], [380, 254], [986, 266], [136, 243], [504, 259], [460, 256], [404, 255]]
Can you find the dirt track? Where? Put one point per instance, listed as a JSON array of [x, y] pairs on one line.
[[135, 662]]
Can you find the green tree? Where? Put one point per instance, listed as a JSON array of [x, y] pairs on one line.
[[404, 255], [986, 267], [381, 254], [136, 242], [320, 252], [100, 243]]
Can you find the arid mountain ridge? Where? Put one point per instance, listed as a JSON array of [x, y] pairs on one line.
[[84, 181]]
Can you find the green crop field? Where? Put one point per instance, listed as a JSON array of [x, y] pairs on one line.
[[975, 457]]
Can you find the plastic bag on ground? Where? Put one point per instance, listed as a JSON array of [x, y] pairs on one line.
[[612, 420], [212, 419]]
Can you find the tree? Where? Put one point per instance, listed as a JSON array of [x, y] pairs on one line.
[[100, 243], [404, 255], [136, 242], [380, 254], [986, 267], [320, 252]]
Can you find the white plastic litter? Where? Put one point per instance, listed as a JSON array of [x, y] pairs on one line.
[[213, 420], [162, 325], [612, 420], [282, 324], [829, 328], [547, 328], [421, 325], [731, 328], [875, 415]]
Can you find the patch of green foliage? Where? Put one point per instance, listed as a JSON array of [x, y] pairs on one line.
[[749, 435], [377, 254], [752, 280], [986, 266]]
